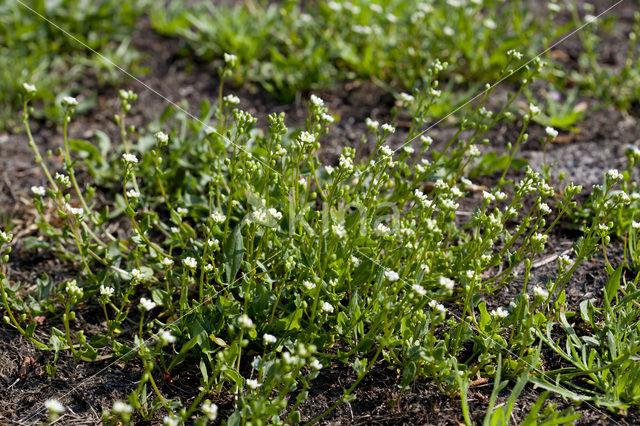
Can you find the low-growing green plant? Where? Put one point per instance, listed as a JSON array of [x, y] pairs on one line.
[[37, 51], [291, 47], [244, 255]]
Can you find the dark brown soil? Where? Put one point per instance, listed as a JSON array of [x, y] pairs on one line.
[[88, 388]]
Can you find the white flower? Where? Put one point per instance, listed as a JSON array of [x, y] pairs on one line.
[[408, 149], [381, 229], [54, 406], [69, 101], [372, 124], [385, 151], [253, 383], [316, 365], [137, 275], [635, 225], [245, 321], [474, 151], [209, 409], [327, 118], [534, 110], [63, 180], [406, 99], [346, 163], [309, 285], [327, 307], [230, 59], [106, 291], [166, 337], [338, 230], [190, 262], [388, 128], [208, 267], [170, 421], [166, 262], [514, 54], [435, 93], [316, 101], [391, 276], [614, 175], [76, 211], [544, 208], [551, 132], [231, 100], [425, 268], [38, 190], [500, 312], [218, 217], [269, 339], [538, 238], [162, 137], [540, 292], [488, 197], [29, 88], [182, 211], [426, 141], [132, 193], [146, 304], [419, 289], [129, 158], [446, 283], [120, 407], [329, 170], [437, 306]]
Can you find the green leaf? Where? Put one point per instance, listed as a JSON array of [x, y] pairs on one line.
[[234, 252], [98, 340], [82, 146], [613, 284]]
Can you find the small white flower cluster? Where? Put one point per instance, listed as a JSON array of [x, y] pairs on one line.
[[262, 216], [540, 292], [190, 262], [245, 322], [372, 124], [209, 409], [338, 230], [446, 283], [29, 88], [69, 102], [388, 128], [63, 180], [218, 217], [146, 304], [500, 312], [346, 163], [121, 408], [136, 275], [133, 194], [419, 290], [304, 140], [269, 339], [106, 291], [514, 54], [230, 60], [614, 175], [165, 337], [386, 155], [327, 307], [438, 307], [406, 100], [161, 137], [38, 191], [382, 230], [635, 225], [551, 132], [167, 262], [230, 100], [391, 275], [309, 285], [129, 159], [54, 406]]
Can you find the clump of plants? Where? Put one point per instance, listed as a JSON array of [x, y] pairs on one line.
[[46, 42], [240, 252]]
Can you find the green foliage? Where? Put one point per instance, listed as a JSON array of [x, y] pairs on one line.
[[290, 47], [37, 52]]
